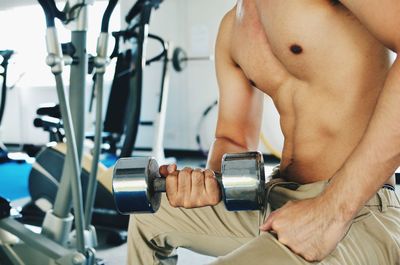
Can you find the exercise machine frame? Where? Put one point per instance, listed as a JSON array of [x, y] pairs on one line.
[[50, 246]]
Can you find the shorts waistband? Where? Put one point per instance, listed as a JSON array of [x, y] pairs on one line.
[[279, 192], [384, 198], [389, 187]]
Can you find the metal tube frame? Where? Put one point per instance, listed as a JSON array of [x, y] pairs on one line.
[[77, 87], [158, 142], [101, 61], [38, 242], [70, 182]]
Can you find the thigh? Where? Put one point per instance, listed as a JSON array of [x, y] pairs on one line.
[[208, 230], [265, 250], [373, 238]]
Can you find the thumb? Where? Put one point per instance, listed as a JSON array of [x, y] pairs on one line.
[[267, 225]]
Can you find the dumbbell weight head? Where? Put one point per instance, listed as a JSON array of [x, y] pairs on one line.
[[243, 181], [133, 185]]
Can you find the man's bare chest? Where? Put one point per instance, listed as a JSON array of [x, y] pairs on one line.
[[303, 40]]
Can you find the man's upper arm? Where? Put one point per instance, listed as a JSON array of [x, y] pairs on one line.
[[240, 104], [380, 17]]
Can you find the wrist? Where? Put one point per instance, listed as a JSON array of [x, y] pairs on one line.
[[344, 206]]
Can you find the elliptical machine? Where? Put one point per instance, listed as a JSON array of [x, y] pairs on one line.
[[46, 180], [46, 175], [58, 243]]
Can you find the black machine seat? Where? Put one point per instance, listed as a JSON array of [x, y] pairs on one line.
[[49, 119], [49, 109]]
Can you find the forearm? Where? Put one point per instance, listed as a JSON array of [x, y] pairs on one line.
[[377, 155], [220, 147]]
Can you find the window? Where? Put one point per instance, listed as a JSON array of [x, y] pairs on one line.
[[23, 30]]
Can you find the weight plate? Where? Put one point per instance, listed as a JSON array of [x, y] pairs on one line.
[[179, 59], [243, 181], [132, 180]]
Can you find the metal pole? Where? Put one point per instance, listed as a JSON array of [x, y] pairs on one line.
[[73, 165], [159, 124], [100, 64], [77, 87], [92, 185], [70, 182], [54, 60]]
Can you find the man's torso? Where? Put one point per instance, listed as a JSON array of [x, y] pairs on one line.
[[323, 70]]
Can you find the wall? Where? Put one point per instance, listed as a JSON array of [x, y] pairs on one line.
[[193, 25], [190, 25]]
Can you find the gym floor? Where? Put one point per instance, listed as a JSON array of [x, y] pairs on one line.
[[117, 256]]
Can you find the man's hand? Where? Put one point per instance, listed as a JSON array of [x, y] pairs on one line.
[[190, 188], [310, 228]]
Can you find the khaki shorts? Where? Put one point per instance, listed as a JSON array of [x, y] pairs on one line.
[[234, 237]]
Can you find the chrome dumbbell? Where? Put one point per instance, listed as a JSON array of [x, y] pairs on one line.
[[137, 184]]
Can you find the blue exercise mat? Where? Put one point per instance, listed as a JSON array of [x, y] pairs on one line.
[[14, 177], [109, 160], [14, 180]]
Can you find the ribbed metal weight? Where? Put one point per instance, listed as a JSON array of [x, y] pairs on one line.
[[243, 181], [132, 184]]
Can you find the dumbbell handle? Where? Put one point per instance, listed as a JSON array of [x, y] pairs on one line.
[[159, 184]]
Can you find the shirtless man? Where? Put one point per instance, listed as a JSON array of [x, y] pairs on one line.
[[326, 66]]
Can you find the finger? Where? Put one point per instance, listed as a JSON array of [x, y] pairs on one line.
[[212, 188], [171, 184], [167, 169], [163, 171], [184, 184], [171, 168], [198, 185]]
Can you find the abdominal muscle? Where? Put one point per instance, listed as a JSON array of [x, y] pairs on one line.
[[312, 162], [321, 136], [309, 163]]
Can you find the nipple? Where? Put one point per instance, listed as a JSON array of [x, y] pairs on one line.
[[296, 49]]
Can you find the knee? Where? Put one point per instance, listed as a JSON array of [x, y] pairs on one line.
[[146, 232], [147, 228], [140, 226]]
